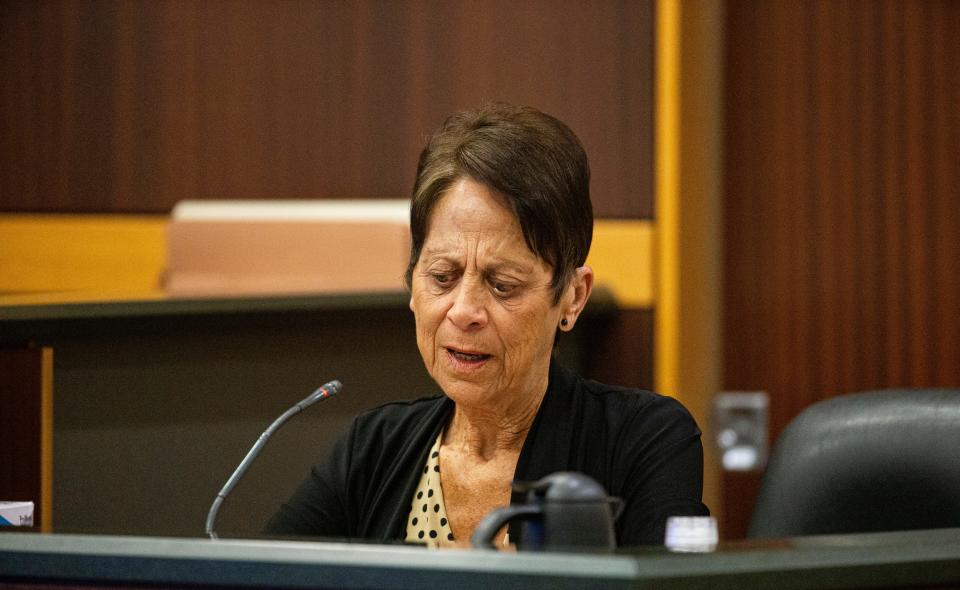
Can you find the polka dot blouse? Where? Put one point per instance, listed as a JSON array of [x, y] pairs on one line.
[[427, 523]]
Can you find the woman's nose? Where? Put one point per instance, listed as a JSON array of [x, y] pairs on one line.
[[468, 310]]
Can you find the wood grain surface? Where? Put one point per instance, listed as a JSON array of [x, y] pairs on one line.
[[133, 106], [842, 208]]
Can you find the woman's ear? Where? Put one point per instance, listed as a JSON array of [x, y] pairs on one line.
[[575, 299]]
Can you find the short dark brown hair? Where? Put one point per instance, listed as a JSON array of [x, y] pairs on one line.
[[530, 158]]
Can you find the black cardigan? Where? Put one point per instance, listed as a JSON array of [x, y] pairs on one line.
[[642, 447]]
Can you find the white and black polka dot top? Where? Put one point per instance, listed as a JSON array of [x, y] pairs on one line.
[[427, 522]]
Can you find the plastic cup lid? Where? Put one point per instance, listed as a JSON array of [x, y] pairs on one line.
[[694, 534]]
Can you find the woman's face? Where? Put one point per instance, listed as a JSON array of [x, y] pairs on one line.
[[483, 302]]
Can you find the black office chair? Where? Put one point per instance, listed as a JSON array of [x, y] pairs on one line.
[[866, 462]]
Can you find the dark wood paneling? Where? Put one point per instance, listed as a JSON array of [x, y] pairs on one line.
[[618, 349], [21, 387], [132, 106], [842, 207]]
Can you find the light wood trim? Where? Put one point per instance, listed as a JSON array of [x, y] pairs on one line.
[[688, 353], [49, 253], [46, 441], [84, 258], [622, 258], [667, 195]]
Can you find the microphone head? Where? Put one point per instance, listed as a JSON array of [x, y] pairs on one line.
[[332, 387], [323, 392]]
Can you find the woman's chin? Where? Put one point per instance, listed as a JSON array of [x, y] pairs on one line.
[[468, 392]]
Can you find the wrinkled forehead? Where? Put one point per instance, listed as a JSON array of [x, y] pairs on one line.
[[469, 206], [471, 215]]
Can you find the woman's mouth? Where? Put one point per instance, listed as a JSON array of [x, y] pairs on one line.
[[467, 357]]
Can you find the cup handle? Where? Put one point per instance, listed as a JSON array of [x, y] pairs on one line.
[[482, 537]]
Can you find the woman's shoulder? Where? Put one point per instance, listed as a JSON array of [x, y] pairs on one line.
[[399, 412], [632, 396], [637, 406]]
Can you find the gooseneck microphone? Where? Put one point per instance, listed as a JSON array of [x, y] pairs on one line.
[[323, 392]]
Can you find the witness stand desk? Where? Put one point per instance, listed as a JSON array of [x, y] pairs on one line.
[[124, 414], [880, 560]]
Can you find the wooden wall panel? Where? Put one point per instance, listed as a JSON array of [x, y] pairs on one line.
[[132, 106], [620, 348], [842, 213], [26, 424]]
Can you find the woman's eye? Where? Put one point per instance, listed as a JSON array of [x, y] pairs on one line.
[[441, 278], [502, 288]]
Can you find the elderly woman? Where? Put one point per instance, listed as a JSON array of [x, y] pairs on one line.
[[501, 222]]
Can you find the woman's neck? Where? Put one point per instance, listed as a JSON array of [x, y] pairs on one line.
[[485, 432]]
